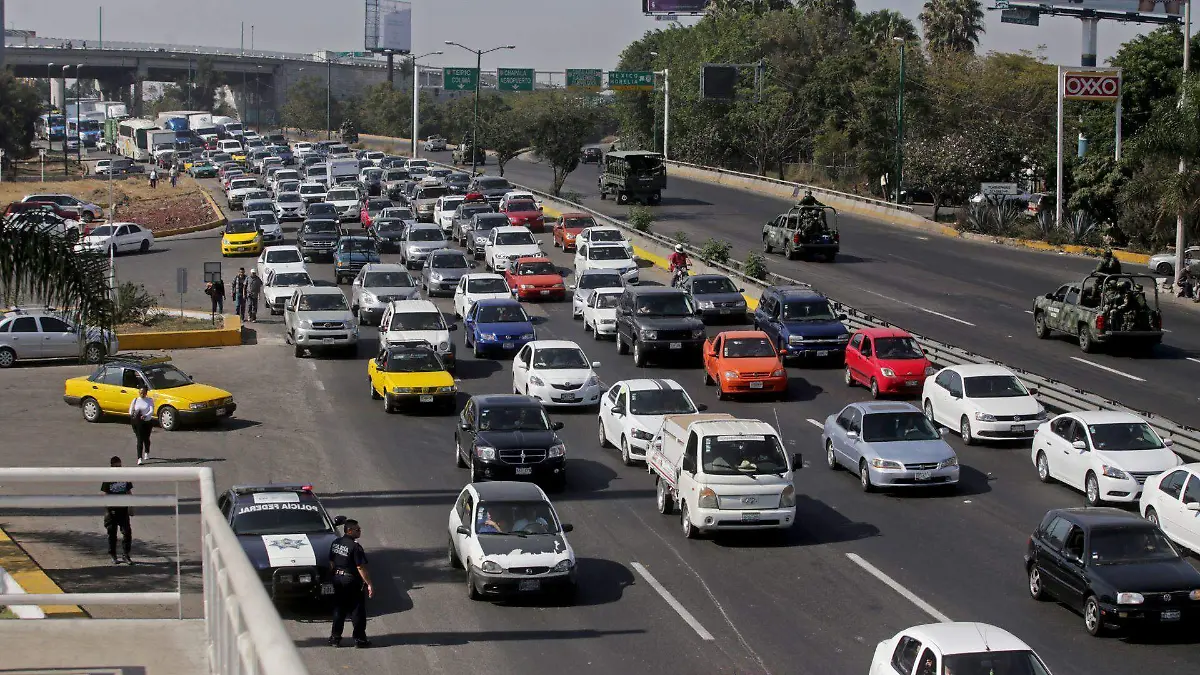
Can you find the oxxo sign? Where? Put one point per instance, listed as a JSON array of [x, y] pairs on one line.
[[1091, 85]]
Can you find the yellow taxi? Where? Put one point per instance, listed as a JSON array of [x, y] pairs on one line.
[[178, 400], [412, 374], [242, 237], [238, 156]]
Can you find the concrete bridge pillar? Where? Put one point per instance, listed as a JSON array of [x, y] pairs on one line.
[[58, 92], [139, 105]]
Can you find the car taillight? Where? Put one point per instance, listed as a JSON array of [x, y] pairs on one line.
[[837, 236], [796, 238], [1100, 323], [1156, 319]]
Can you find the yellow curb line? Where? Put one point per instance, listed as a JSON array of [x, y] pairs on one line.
[[228, 336], [21, 567]]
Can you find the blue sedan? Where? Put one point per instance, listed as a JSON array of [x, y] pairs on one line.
[[889, 445], [497, 325]]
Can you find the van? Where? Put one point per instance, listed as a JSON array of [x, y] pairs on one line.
[[723, 473]]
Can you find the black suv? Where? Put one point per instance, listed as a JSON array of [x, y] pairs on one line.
[[658, 320], [318, 238], [509, 437]]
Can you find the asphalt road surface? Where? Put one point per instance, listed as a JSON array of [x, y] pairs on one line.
[[973, 295], [799, 604]]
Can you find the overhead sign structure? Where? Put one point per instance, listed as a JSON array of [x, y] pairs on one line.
[[460, 79], [1147, 11], [388, 26], [629, 80], [1091, 85], [1021, 16], [585, 79], [514, 79], [998, 189], [674, 6]]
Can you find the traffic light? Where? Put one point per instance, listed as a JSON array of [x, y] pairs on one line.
[[718, 81]]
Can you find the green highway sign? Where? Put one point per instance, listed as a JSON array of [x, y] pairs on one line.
[[514, 79], [356, 55], [628, 80], [460, 79], [1023, 16], [586, 79]]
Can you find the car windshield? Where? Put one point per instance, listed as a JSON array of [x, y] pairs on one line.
[[373, 174], [522, 206], [315, 171], [1115, 545], [387, 280], [1019, 662], [469, 210], [165, 376], [578, 223], [433, 192], [536, 268], [342, 196], [606, 235], [748, 348], [608, 253], [897, 349], [280, 513], [289, 255], [807, 311], [608, 300], [455, 261], [102, 231], [897, 426], [377, 205], [322, 226], [450, 204], [458, 179], [356, 245], [660, 402], [502, 314], [389, 227], [487, 285], [241, 183], [713, 285], [587, 281], [487, 224], [742, 455], [321, 209], [312, 189], [398, 212], [560, 358], [292, 279], [413, 361], [994, 386], [1124, 436], [673, 304], [322, 302], [289, 197], [417, 321], [514, 239], [519, 518], [241, 227], [492, 183], [395, 174], [425, 234], [513, 418]]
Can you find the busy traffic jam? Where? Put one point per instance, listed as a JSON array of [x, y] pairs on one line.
[[844, 491]]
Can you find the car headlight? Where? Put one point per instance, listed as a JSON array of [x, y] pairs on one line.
[[777, 372], [592, 381], [705, 304], [526, 287], [1132, 598], [697, 333], [369, 298], [951, 461], [1114, 472], [196, 406], [1194, 595], [984, 417], [536, 381], [487, 336], [529, 336], [649, 334], [402, 390], [930, 370], [434, 276], [305, 324], [887, 372], [844, 337], [788, 497], [443, 347], [447, 390], [795, 339], [557, 450], [887, 464], [1043, 414], [485, 452], [412, 249], [491, 567], [708, 499], [730, 374], [563, 566], [641, 435]]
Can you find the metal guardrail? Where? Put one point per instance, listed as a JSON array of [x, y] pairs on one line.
[[245, 633]]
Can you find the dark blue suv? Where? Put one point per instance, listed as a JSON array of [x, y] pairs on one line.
[[801, 323]]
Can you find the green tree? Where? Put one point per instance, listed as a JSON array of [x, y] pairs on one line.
[[507, 134], [304, 109], [560, 124], [878, 28], [948, 166], [385, 111], [766, 129], [19, 111], [952, 25]]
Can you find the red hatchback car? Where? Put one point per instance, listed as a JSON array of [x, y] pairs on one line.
[[886, 361], [535, 278], [525, 212]]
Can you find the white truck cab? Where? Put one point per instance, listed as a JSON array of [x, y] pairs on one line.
[[723, 473]]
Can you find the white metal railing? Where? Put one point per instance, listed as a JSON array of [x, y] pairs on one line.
[[245, 633]]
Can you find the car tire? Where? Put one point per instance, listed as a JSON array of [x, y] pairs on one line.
[[639, 355], [374, 392], [1092, 621], [767, 245], [600, 435], [849, 377], [475, 350], [1091, 490], [595, 334], [299, 351], [874, 388], [452, 555], [625, 458], [476, 475], [621, 347], [864, 477], [964, 430], [1036, 590], [459, 462], [1086, 344], [1166, 269], [388, 406], [831, 460], [8, 357], [168, 418], [705, 377], [1043, 468], [685, 522], [1152, 516], [1040, 329], [94, 352], [622, 198], [662, 498], [721, 395], [472, 591], [928, 410], [91, 410]]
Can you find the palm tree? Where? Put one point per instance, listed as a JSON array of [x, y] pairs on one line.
[[878, 28], [952, 25]]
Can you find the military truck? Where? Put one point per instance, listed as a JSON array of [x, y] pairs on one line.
[[1103, 309], [807, 230], [633, 174], [349, 132]]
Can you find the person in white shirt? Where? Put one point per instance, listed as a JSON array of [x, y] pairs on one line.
[[141, 415]]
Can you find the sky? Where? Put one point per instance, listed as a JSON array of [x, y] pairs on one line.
[[548, 34]]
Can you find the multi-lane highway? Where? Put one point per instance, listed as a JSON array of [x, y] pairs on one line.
[[746, 604], [970, 294]]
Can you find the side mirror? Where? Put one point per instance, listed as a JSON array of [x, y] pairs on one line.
[[556, 425], [596, 364], [1193, 506], [1080, 446], [618, 410], [689, 464], [1033, 391], [462, 529], [741, 290], [1049, 296], [1168, 442], [465, 426], [571, 287], [701, 407], [944, 432], [452, 327], [567, 527], [338, 520], [852, 435], [842, 317], [797, 462], [358, 282]]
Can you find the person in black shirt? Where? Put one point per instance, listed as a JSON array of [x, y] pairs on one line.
[[348, 562], [118, 517]]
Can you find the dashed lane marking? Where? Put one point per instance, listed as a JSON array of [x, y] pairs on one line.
[[675, 604], [1193, 360], [923, 309], [898, 587], [1106, 369], [815, 423]]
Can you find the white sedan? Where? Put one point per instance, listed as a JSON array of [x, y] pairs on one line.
[[281, 281], [474, 287], [983, 402], [273, 256], [443, 211], [1107, 454], [604, 234], [1171, 500], [600, 312], [506, 244], [632, 412], [557, 373], [117, 238], [606, 257], [589, 282], [955, 647]]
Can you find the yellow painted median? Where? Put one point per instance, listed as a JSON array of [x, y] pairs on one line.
[[32, 579]]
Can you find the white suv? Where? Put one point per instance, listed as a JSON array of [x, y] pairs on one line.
[[506, 244], [408, 320]]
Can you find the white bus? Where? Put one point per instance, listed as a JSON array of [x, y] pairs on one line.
[[132, 141]]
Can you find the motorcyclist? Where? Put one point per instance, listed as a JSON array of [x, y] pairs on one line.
[[678, 265]]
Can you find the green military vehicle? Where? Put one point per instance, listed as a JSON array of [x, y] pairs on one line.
[[1103, 309], [633, 174], [349, 134], [808, 230]]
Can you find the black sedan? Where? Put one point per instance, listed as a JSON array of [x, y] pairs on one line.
[[591, 155], [509, 437], [1118, 570]]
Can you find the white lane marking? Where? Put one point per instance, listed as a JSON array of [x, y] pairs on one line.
[[1028, 311], [1114, 371], [815, 423], [896, 586], [320, 384], [675, 604], [1193, 360], [923, 309], [923, 238]]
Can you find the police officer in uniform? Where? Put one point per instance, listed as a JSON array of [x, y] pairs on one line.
[[351, 586]]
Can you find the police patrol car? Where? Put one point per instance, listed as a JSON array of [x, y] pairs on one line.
[[286, 533]]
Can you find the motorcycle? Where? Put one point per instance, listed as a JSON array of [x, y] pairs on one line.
[[680, 274]]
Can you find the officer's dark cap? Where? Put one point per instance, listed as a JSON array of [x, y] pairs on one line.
[[350, 524]]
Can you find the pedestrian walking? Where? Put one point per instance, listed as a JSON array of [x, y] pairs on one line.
[[239, 293], [153, 178], [174, 176], [141, 416], [254, 287], [117, 517], [351, 586], [215, 290]]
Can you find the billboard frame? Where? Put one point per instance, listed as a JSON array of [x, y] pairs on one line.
[[1086, 13], [373, 25], [675, 12]]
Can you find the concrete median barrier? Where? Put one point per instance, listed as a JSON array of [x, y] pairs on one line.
[[230, 335]]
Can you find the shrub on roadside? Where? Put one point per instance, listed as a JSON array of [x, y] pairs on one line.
[[640, 218], [716, 251], [133, 304], [755, 266]]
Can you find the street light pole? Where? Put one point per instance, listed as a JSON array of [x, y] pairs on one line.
[[900, 124], [478, 76], [78, 105], [50, 107], [1180, 235], [416, 111], [328, 99], [666, 112], [66, 155], [654, 115]]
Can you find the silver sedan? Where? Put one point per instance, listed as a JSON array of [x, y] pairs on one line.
[[889, 445], [1164, 263]]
